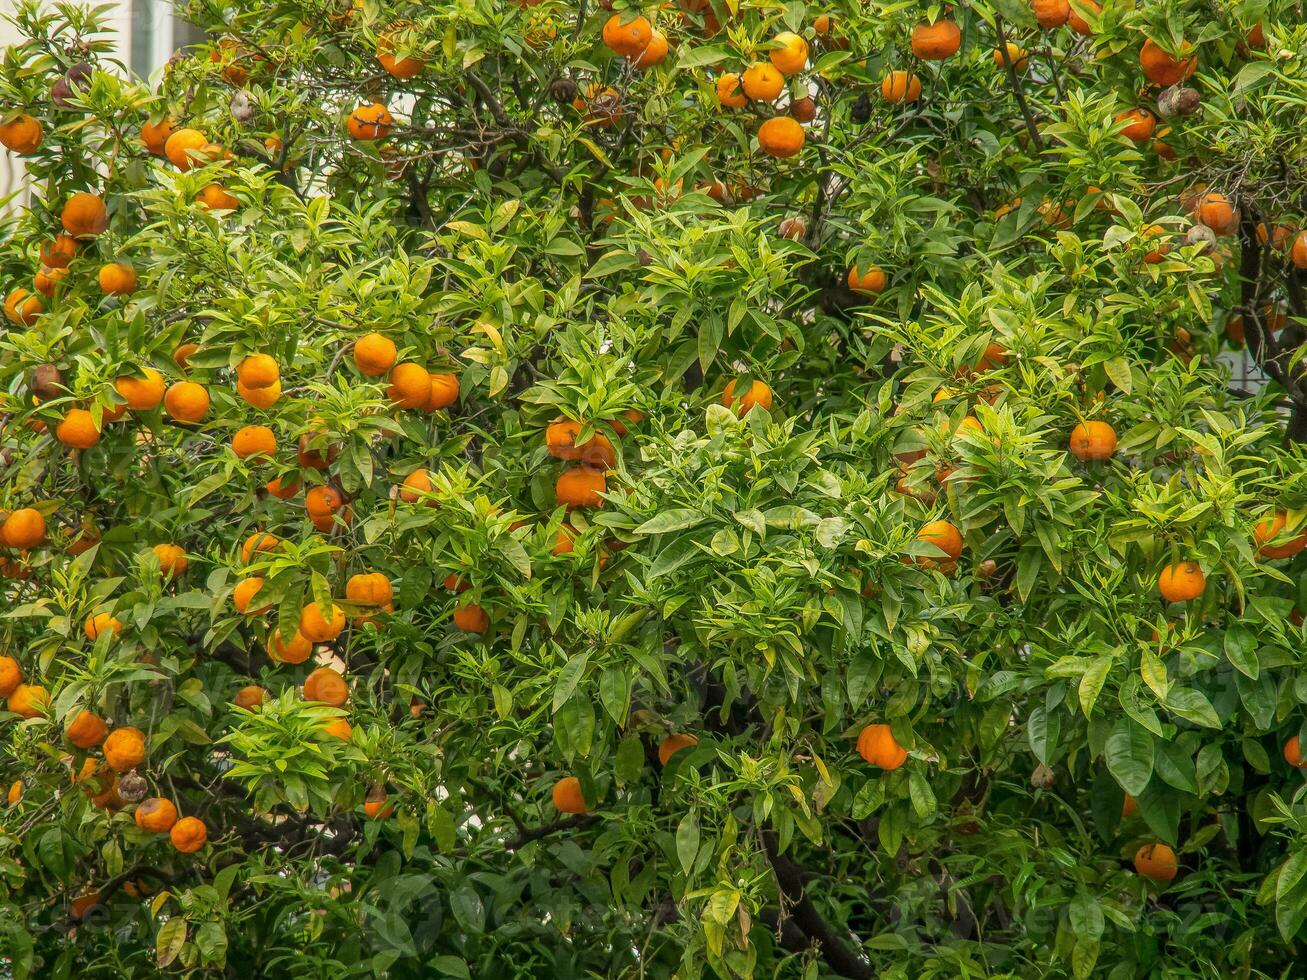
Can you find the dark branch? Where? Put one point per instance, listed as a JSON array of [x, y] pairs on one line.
[[834, 950]]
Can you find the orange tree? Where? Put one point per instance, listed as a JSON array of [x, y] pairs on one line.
[[718, 489]]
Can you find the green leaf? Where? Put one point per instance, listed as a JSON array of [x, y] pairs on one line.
[[687, 841], [1042, 729], [568, 678], [1153, 670], [1118, 370], [1086, 916], [1129, 753], [169, 942], [468, 909], [1091, 683], [675, 519], [451, 966], [1192, 705], [1241, 650], [1176, 767]]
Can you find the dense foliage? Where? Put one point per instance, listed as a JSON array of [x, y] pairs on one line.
[[707, 490]]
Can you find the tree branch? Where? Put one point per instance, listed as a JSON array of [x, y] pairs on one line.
[[834, 950], [1015, 83]]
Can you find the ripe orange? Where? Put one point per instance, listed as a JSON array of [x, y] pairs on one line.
[[186, 401], [22, 307], [188, 834], [564, 541], [258, 371], [378, 809], [602, 105], [1298, 252], [259, 541], [1217, 213], [11, 675], [654, 53], [793, 227], [314, 459], [1161, 68], [100, 623], [560, 438], [627, 37], [1157, 862], [878, 747], [1051, 13], [184, 148], [1161, 249], [28, 700], [444, 392], [762, 82], [83, 905], [77, 429], [1078, 23], [155, 135], [781, 137], [1269, 529], [672, 744], [944, 536], [249, 697], [156, 815], [567, 795], [117, 279], [124, 749], [59, 251], [370, 122], [870, 280], [410, 385], [581, 486], [318, 628], [144, 393], [937, 41], [759, 394], [326, 686], [471, 618], [1181, 582], [84, 215], [23, 529], [254, 440], [244, 593], [172, 559], [295, 652], [372, 588], [374, 354], [1140, 124], [401, 68], [729, 91], [87, 730], [791, 54], [182, 353], [46, 280], [1293, 754], [417, 487], [338, 728], [1093, 440], [215, 197], [22, 134], [1276, 236], [1015, 56], [283, 488]]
